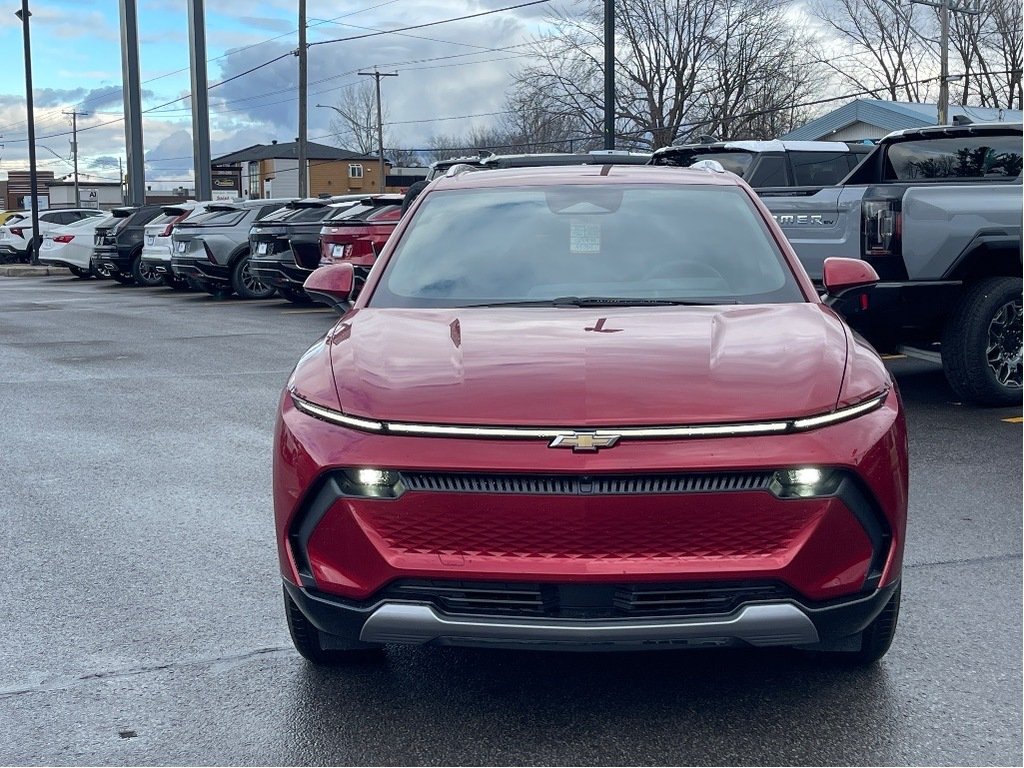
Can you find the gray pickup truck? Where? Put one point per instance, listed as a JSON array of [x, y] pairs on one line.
[[937, 213]]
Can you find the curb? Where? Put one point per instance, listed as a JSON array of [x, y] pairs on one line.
[[28, 270]]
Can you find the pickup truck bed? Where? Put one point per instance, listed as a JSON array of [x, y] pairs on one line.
[[937, 213]]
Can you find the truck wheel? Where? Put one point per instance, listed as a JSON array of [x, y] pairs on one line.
[[246, 284], [981, 345], [144, 274], [306, 639]]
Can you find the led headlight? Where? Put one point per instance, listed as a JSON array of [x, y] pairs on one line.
[[805, 482], [376, 483]]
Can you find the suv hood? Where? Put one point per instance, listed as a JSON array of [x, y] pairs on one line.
[[575, 367]]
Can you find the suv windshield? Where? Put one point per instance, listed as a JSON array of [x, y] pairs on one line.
[[586, 245]]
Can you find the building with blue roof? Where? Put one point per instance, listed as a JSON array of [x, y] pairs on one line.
[[863, 119]]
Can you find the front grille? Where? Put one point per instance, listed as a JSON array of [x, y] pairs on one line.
[[578, 485], [662, 528], [584, 601]]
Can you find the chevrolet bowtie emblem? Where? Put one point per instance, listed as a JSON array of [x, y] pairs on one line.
[[585, 441]]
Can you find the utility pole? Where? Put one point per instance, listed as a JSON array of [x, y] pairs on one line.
[[33, 177], [303, 54], [380, 123], [74, 115], [968, 7], [132, 102], [200, 100], [609, 74]]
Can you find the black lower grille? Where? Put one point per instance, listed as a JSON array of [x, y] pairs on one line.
[[570, 485], [584, 601]]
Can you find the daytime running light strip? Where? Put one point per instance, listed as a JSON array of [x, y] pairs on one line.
[[626, 433]]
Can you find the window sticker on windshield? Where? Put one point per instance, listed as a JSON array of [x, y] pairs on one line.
[[584, 236]]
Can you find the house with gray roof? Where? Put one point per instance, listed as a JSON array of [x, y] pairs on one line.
[[863, 119]]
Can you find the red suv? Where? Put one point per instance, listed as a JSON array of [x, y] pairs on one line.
[[357, 233], [598, 407]]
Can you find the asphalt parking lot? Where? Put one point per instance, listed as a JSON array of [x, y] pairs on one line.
[[142, 619]]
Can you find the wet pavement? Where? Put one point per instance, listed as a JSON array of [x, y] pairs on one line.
[[142, 619]]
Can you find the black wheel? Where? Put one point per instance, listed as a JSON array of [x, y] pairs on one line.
[[79, 272], [246, 284], [876, 637], [308, 641], [981, 345], [295, 296], [144, 274], [99, 272]]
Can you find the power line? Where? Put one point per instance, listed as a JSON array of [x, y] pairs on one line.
[[48, 116], [429, 23]]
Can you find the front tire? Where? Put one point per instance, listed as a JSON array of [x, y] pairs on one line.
[[246, 284], [83, 274], [308, 641], [981, 345], [876, 637]]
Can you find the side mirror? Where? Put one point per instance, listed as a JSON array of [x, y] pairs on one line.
[[332, 285], [842, 274]]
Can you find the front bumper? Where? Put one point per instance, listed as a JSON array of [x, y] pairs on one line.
[[279, 273], [655, 513], [756, 622]]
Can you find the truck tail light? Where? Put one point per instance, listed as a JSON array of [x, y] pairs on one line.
[[63, 238], [882, 227]]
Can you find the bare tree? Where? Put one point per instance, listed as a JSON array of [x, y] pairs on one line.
[[882, 46], [683, 67], [989, 47], [755, 82], [354, 125]]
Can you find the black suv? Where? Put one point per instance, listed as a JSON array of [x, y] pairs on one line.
[[118, 247], [285, 245]]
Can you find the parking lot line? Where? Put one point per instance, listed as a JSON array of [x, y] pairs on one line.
[[319, 311], [1015, 420]]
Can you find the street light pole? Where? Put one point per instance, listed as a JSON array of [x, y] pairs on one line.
[[609, 74], [380, 123], [33, 177], [303, 53]]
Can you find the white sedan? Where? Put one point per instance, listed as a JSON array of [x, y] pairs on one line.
[[71, 245]]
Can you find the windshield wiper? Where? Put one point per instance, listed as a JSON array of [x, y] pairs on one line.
[[606, 301]]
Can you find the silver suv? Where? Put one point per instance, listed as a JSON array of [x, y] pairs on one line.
[[211, 250]]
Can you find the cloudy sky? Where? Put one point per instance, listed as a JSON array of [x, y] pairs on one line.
[[445, 71]]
